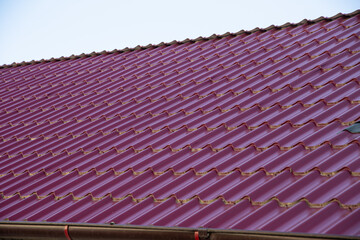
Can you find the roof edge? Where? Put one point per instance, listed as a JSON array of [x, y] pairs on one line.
[[41, 230], [126, 49]]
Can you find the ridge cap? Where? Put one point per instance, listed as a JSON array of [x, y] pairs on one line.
[[187, 40]]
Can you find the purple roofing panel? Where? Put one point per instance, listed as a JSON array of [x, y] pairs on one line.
[[242, 131]]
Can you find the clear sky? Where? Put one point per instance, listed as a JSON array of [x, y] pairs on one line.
[[36, 29]]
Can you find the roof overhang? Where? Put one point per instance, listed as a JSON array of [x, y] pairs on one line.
[[67, 231]]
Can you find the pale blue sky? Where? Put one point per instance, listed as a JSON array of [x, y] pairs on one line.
[[36, 29]]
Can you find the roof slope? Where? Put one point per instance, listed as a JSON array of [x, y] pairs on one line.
[[244, 131]]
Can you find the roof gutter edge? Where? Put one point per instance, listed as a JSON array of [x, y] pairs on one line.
[[75, 231]]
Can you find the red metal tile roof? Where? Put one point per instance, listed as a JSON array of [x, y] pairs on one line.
[[240, 131]]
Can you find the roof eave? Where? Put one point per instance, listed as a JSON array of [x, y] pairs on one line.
[[74, 231]]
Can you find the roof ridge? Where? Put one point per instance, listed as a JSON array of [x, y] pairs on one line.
[[200, 38]]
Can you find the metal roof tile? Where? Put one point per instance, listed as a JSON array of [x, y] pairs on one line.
[[240, 131]]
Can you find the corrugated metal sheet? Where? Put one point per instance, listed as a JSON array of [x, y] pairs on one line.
[[242, 131]]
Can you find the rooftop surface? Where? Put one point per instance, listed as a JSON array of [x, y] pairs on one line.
[[246, 131]]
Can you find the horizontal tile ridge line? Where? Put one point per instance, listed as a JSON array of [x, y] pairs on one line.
[[237, 149], [192, 59], [197, 173], [263, 48], [268, 49], [206, 202], [150, 114], [303, 22], [171, 130], [182, 98], [121, 78]]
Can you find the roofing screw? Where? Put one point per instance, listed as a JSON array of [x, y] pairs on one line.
[[203, 234]]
